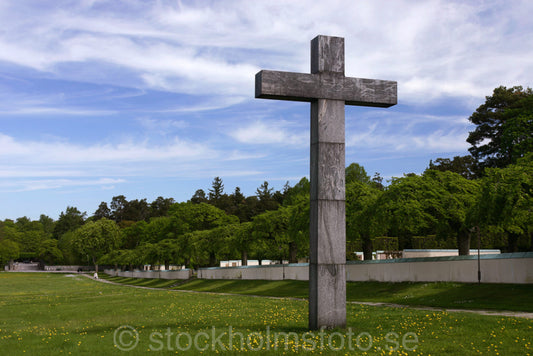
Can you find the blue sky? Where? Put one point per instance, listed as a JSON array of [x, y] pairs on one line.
[[156, 98]]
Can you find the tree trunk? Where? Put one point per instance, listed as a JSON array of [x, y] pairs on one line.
[[95, 265], [167, 265], [212, 259], [531, 238], [512, 242], [293, 250], [367, 249], [244, 258], [463, 243]]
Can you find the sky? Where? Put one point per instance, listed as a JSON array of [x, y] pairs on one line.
[[156, 98]]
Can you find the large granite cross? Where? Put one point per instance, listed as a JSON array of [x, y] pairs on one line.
[[328, 90]]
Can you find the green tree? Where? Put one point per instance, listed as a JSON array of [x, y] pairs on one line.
[[71, 255], [96, 238], [216, 191], [160, 206], [188, 217], [273, 227], [69, 220], [355, 172], [463, 165], [47, 224], [103, 211], [49, 252], [503, 128], [505, 202], [199, 197], [133, 235], [170, 252], [266, 197], [456, 197], [241, 240], [9, 251], [408, 207], [362, 222], [157, 229]]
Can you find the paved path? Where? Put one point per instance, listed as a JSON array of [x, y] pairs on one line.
[[511, 314]]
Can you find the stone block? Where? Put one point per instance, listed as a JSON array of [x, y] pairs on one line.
[[327, 296], [327, 232], [327, 171], [327, 121]]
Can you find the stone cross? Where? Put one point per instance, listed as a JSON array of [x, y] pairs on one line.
[[328, 90]]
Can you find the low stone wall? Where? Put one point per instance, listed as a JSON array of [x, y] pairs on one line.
[[503, 268], [23, 267], [69, 268], [297, 271], [181, 274]]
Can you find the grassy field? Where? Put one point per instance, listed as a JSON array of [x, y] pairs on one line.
[[54, 314], [511, 297]]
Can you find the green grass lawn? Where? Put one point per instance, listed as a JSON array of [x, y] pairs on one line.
[[52, 314], [512, 297]]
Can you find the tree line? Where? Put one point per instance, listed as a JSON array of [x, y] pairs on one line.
[[487, 194]]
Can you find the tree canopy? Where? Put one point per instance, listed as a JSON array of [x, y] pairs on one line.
[[504, 124]]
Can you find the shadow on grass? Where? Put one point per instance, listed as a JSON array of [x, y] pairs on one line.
[[513, 297]]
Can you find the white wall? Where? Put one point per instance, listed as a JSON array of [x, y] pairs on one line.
[[181, 274], [502, 268]]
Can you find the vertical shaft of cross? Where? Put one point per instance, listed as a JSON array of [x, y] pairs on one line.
[[327, 260]]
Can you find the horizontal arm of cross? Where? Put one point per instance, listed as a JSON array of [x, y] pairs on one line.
[[309, 87]]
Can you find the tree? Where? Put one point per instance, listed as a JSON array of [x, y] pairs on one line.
[[103, 211], [199, 197], [241, 240], [408, 207], [216, 191], [272, 227], [188, 217], [49, 252], [96, 238], [237, 205], [264, 192], [361, 216], [503, 128], [456, 197], [157, 229], [9, 251], [71, 255], [137, 210], [463, 165], [355, 172], [160, 206], [118, 207], [133, 235], [505, 202], [266, 198], [47, 224], [69, 220]]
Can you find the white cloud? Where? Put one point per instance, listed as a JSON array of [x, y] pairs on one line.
[[401, 133], [13, 150], [431, 48], [47, 184], [37, 110], [270, 133]]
